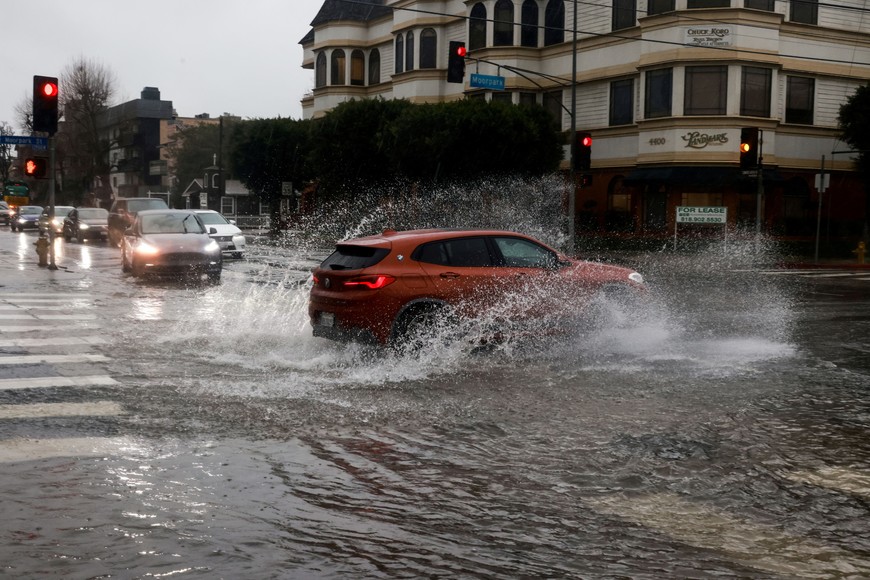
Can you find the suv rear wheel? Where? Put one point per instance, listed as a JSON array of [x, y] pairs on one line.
[[420, 325]]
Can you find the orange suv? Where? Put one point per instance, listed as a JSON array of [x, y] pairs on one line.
[[383, 288]]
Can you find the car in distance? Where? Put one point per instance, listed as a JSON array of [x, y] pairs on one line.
[[27, 217], [56, 223], [5, 213], [228, 235], [383, 288], [86, 223], [124, 210], [170, 242]]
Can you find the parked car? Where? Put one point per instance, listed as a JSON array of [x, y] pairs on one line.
[[27, 217], [60, 212], [123, 212], [86, 223], [5, 213], [385, 288], [170, 242], [226, 233]]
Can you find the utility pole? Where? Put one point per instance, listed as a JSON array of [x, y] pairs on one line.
[[572, 201]]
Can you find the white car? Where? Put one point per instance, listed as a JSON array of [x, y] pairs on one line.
[[227, 234]]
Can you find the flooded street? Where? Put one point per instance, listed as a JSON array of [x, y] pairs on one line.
[[716, 429]]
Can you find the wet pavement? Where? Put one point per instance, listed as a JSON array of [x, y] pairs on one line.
[[155, 428]]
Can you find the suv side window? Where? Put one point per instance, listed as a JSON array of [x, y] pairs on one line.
[[460, 253], [520, 253]]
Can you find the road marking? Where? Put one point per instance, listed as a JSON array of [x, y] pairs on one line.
[[17, 317], [9, 328], [47, 300], [55, 306], [64, 316], [834, 275], [48, 382], [17, 450], [839, 478], [29, 295], [32, 359], [95, 409], [52, 341], [756, 545]]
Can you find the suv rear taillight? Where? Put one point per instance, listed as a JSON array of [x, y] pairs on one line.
[[370, 282]]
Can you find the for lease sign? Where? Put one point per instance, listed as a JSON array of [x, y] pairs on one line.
[[702, 215]]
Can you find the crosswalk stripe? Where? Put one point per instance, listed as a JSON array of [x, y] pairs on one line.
[[756, 545], [834, 275], [64, 316], [49, 382], [52, 341], [22, 328], [31, 359], [95, 409], [28, 295], [18, 450], [53, 306], [65, 299]]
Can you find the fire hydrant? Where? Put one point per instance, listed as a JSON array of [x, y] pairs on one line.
[[860, 251], [42, 250]]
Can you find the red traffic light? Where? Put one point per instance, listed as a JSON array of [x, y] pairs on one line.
[[461, 51], [49, 89], [586, 141], [745, 147]]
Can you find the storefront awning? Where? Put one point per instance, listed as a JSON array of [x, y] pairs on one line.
[[694, 176]]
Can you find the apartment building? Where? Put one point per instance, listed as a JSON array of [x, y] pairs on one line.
[[663, 86]]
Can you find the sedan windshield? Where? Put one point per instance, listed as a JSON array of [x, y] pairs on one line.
[[212, 218], [171, 224], [93, 213]]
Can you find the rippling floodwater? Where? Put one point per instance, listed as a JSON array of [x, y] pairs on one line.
[[718, 429]]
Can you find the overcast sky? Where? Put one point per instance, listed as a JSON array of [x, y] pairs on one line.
[[206, 56]]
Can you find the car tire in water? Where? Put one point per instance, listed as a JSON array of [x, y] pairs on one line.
[[419, 326]]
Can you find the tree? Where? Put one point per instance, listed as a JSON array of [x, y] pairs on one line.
[[266, 153], [855, 126], [194, 148], [5, 153], [82, 150]]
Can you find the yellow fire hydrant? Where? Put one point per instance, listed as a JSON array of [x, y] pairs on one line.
[[860, 251], [42, 250]]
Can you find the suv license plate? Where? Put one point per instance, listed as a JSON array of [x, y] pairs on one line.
[[327, 319]]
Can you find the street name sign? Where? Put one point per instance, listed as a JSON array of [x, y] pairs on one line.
[[493, 82], [702, 215], [38, 142]]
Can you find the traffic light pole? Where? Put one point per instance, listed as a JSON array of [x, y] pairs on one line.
[[759, 189], [572, 198], [51, 232]]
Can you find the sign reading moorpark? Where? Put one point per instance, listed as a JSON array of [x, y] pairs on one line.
[[701, 215]]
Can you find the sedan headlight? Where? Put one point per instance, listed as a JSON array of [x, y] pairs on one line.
[[146, 248], [636, 278], [212, 246], [84, 226]]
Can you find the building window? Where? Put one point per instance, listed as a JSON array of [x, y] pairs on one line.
[[708, 3], [659, 7], [805, 11], [799, 100], [622, 102], [228, 205], [320, 71], [477, 27], [337, 67], [374, 67], [529, 27], [766, 5], [503, 27], [702, 199], [554, 22], [706, 90], [624, 14], [400, 54], [553, 105], [501, 97], [409, 51], [428, 48], [357, 68], [618, 217], [528, 99], [659, 87], [755, 92]]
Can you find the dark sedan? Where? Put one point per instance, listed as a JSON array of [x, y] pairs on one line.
[[27, 218], [170, 242], [86, 223]]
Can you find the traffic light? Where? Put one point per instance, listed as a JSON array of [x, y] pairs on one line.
[[35, 167], [45, 97], [749, 148], [582, 151], [456, 62]]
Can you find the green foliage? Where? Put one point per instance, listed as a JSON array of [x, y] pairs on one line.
[[855, 125], [195, 150]]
